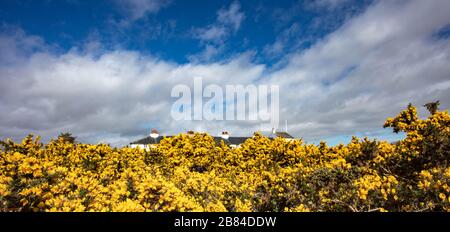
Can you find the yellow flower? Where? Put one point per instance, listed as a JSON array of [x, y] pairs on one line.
[[193, 173], [442, 196]]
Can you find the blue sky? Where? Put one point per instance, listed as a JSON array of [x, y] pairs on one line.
[[169, 31], [103, 70]]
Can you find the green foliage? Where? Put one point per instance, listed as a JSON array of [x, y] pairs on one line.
[[67, 137]]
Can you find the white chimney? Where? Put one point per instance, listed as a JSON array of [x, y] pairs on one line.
[[225, 135], [154, 134]]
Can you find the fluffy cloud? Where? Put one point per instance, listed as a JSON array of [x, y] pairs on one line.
[[328, 4], [138, 9], [231, 16], [112, 97], [284, 39], [211, 33], [213, 37], [228, 21], [367, 70]]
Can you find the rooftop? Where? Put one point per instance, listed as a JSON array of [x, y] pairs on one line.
[[229, 140]]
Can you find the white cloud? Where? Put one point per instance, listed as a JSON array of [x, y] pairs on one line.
[[231, 16], [228, 21], [327, 4], [137, 9], [348, 83], [213, 37], [212, 33], [111, 97], [393, 60], [284, 39], [206, 55]]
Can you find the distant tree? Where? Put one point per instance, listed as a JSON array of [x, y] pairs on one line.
[[433, 107], [67, 137]]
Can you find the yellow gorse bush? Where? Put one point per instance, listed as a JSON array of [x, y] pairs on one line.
[[192, 173]]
